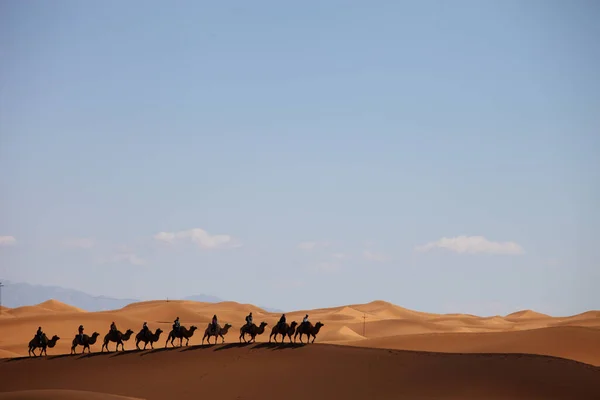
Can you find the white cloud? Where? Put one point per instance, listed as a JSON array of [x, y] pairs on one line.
[[198, 236], [373, 256], [339, 256], [472, 245], [327, 267], [311, 245], [78, 243], [130, 258], [7, 241]]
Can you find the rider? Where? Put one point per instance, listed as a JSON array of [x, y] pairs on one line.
[[176, 324], [80, 333], [281, 322], [39, 334], [214, 323], [113, 327], [305, 320], [145, 328], [249, 319]]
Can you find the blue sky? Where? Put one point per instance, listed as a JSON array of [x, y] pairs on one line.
[[440, 156]]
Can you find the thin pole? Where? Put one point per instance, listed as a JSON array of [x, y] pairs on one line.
[[364, 323], [1, 285]]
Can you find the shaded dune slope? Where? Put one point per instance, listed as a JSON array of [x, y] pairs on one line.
[[262, 370]]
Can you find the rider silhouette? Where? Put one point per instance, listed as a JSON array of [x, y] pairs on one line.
[[214, 323], [113, 327], [281, 322], [176, 325], [249, 319], [80, 333], [39, 334]]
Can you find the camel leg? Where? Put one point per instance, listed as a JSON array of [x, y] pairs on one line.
[[222, 337], [314, 337]]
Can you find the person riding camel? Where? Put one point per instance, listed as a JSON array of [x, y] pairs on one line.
[[80, 330], [39, 334], [113, 327], [145, 329], [281, 322], [214, 323], [305, 320], [249, 320], [176, 325]]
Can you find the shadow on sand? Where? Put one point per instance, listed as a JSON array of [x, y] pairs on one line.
[[123, 353], [232, 346], [159, 350], [278, 346], [90, 355], [198, 347]]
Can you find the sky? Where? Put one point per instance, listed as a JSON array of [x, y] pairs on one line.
[[443, 157]]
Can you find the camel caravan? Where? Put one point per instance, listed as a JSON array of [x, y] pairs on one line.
[[180, 332]]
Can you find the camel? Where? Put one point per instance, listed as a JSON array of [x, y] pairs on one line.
[[217, 332], [252, 330], [148, 337], [116, 336], [35, 343], [287, 330], [183, 333], [85, 342], [308, 330]]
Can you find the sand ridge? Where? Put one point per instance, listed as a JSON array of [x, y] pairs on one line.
[[375, 324]]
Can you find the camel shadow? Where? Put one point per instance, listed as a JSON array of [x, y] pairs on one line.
[[20, 358], [90, 355], [61, 356], [159, 350], [123, 353], [198, 347], [232, 346], [278, 346]]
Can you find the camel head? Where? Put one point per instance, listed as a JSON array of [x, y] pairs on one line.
[[293, 324], [129, 332], [95, 335], [159, 331], [55, 338], [319, 324], [193, 328], [227, 326], [263, 324]]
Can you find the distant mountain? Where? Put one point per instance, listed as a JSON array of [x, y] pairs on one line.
[[24, 294]]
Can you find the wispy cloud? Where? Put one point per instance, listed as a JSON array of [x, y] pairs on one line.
[[311, 245], [374, 256], [472, 245], [78, 243], [123, 254], [327, 266], [198, 236], [7, 241], [340, 256]]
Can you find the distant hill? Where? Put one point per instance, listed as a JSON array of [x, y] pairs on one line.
[[24, 294]]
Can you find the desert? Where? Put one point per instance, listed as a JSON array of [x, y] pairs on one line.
[[376, 350]]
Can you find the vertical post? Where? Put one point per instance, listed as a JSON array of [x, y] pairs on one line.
[[364, 323], [1, 285]]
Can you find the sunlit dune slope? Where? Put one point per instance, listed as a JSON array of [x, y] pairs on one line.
[[576, 343]]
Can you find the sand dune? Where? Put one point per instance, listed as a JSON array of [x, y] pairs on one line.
[[576, 343], [60, 394], [526, 314], [315, 371], [464, 343]]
